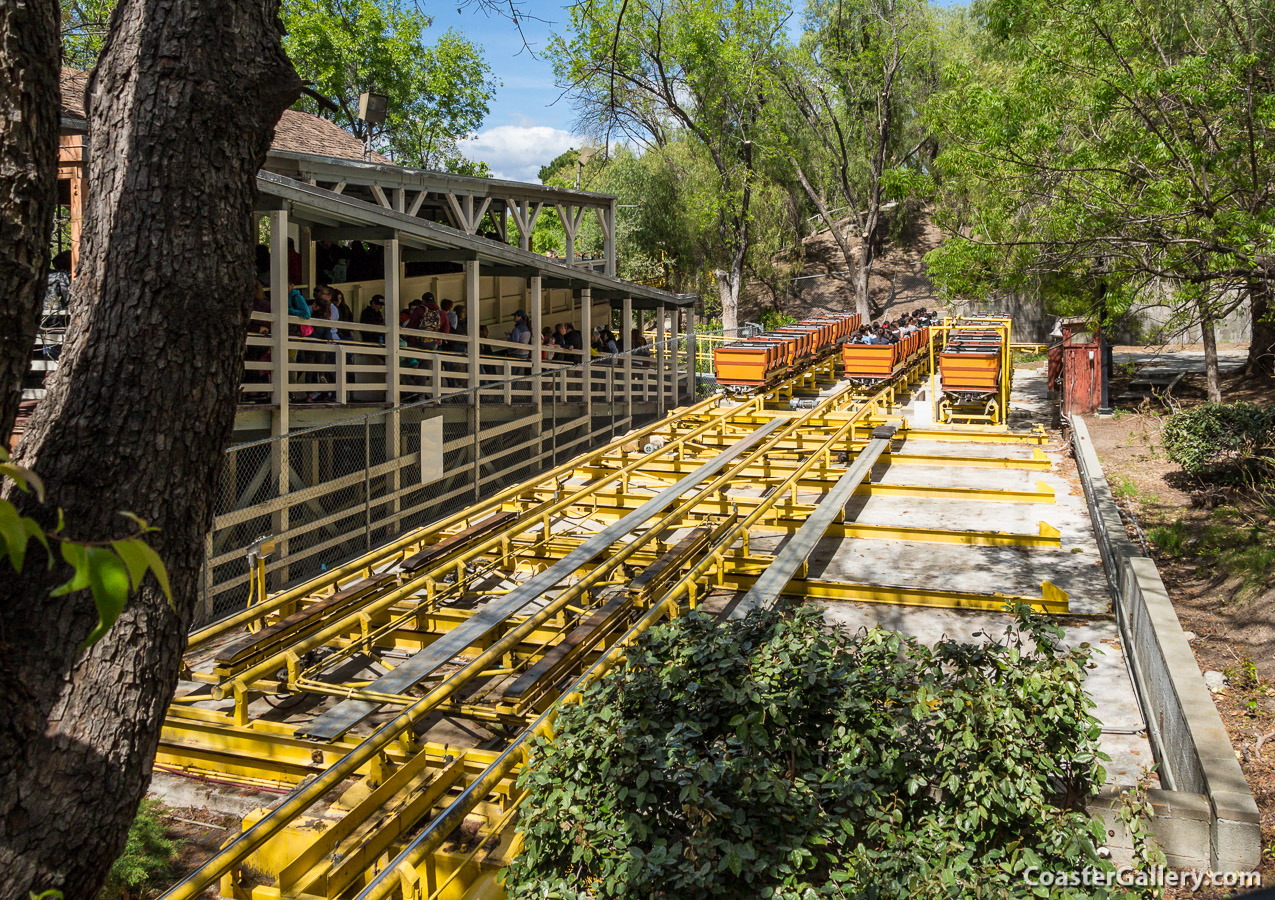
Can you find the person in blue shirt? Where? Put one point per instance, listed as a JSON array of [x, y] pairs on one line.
[[298, 305]]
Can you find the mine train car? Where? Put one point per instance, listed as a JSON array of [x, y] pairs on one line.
[[773, 355], [875, 363], [972, 367]]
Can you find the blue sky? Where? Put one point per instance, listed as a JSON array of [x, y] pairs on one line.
[[528, 124], [525, 128]]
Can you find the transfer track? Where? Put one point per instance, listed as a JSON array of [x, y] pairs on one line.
[[392, 697]]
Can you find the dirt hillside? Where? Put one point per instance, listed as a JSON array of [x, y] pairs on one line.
[[900, 280]]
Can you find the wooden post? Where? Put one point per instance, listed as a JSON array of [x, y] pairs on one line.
[[626, 344], [659, 357], [393, 253], [279, 309], [308, 267], [536, 308], [473, 315], [586, 332], [280, 456], [609, 230], [72, 150], [676, 356], [692, 354]]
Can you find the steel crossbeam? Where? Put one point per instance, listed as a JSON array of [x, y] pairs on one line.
[[500, 613]]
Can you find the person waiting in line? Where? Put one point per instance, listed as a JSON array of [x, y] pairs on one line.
[[432, 319], [521, 334], [347, 314], [448, 309], [560, 338], [335, 301], [638, 340], [548, 341], [461, 326], [574, 341], [373, 314], [449, 320], [606, 342], [298, 307]]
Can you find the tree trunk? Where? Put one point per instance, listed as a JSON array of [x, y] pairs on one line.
[[1261, 350], [862, 293], [1210, 355], [828, 221], [728, 286], [181, 109], [728, 294], [29, 109]]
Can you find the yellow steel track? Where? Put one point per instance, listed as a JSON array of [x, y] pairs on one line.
[[399, 769]]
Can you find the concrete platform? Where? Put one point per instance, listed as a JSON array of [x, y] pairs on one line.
[[1076, 567]]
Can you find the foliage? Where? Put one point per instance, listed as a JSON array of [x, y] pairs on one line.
[[1103, 153], [1135, 811], [1123, 487], [775, 757], [147, 857], [84, 24], [1220, 441], [109, 570], [773, 318], [1170, 539], [849, 129], [670, 72], [437, 94]]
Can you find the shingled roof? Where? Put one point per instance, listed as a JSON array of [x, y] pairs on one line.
[[297, 132]]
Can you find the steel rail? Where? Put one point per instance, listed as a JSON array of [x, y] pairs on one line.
[[242, 681], [434, 834], [349, 713], [305, 795], [385, 551], [793, 555]]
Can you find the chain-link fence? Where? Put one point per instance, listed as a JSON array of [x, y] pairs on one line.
[[331, 493]]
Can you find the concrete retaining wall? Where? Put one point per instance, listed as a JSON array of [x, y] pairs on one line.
[[1148, 324], [1196, 760]]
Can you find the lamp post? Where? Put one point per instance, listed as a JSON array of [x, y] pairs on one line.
[[1104, 345], [582, 159], [372, 111]]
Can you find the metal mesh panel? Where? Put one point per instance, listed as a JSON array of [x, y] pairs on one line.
[[353, 485]]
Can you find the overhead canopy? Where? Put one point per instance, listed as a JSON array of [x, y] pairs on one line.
[[336, 216]]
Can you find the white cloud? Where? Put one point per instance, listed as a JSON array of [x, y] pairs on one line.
[[516, 152]]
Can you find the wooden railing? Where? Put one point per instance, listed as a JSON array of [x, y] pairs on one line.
[[356, 368]]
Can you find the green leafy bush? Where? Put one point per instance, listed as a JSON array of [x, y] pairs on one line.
[[141, 869], [1171, 539], [1221, 440], [776, 757], [772, 318]]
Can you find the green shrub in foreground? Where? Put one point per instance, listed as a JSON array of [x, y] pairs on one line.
[[776, 757], [1219, 440], [146, 860]]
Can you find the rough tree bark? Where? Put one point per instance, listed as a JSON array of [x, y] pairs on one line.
[[1212, 376], [877, 167], [29, 102], [1261, 350], [181, 108], [828, 220], [735, 236]]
